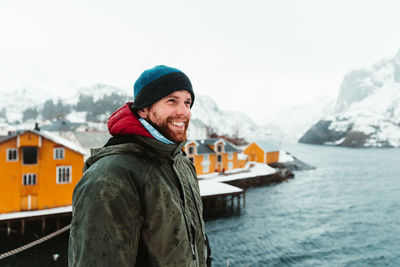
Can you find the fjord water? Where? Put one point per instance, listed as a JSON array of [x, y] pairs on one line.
[[343, 213]]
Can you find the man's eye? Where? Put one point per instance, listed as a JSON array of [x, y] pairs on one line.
[[188, 103], [171, 100]]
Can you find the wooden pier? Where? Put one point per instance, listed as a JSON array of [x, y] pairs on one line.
[[220, 198], [41, 221]]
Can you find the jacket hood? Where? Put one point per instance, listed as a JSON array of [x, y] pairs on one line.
[[124, 122]]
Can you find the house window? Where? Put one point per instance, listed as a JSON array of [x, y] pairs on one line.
[[230, 165], [29, 155], [191, 150], [219, 147], [12, 154], [230, 155], [191, 159], [58, 153], [206, 168], [206, 157], [64, 174], [219, 158], [29, 179]]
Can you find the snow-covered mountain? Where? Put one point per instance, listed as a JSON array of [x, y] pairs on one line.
[[367, 112]]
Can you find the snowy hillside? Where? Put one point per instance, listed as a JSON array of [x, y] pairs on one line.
[[367, 110], [225, 122], [15, 102], [206, 116], [99, 90]]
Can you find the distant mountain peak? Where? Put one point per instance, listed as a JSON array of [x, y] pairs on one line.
[[367, 110]]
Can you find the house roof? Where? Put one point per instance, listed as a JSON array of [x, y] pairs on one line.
[[55, 138], [204, 149], [203, 145], [230, 148], [62, 125], [267, 146], [92, 139], [4, 138]]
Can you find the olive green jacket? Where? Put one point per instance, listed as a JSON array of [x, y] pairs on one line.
[[138, 204]]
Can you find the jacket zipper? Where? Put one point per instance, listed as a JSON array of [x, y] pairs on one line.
[[190, 239]]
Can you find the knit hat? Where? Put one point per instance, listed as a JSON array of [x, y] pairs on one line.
[[158, 82]]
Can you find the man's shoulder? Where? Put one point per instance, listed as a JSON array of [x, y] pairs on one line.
[[117, 168]]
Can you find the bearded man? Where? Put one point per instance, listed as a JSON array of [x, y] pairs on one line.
[[138, 202]]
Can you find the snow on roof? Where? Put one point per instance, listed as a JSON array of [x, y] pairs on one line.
[[266, 146], [211, 188], [6, 137], [92, 139], [62, 141], [285, 156], [34, 213], [252, 169]]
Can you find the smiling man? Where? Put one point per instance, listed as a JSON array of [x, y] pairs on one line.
[[138, 202]]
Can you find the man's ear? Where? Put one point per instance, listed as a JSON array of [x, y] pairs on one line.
[[143, 112]]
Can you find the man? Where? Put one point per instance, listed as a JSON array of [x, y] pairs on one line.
[[138, 202]]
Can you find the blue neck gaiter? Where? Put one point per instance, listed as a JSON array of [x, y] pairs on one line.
[[156, 134]]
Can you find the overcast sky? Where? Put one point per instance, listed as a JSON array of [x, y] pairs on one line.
[[248, 55]]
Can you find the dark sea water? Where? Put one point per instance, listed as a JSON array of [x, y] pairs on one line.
[[343, 213]]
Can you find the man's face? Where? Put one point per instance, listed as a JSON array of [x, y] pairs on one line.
[[170, 115]]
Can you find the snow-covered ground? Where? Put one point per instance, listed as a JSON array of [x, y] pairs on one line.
[[211, 188], [34, 213], [252, 169], [285, 156]]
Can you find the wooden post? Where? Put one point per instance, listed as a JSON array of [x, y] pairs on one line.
[[43, 225], [244, 199], [22, 226], [8, 229]]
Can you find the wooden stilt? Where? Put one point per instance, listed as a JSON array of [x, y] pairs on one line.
[[43, 225], [22, 226], [8, 229]]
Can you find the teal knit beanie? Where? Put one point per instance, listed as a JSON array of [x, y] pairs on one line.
[[158, 82]]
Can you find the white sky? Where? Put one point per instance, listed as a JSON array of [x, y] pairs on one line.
[[251, 56]]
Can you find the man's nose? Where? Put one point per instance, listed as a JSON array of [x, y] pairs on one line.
[[182, 109]]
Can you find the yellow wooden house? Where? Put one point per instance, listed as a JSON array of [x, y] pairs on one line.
[[262, 151], [38, 170], [212, 155]]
